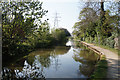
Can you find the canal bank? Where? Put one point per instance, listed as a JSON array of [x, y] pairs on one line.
[[112, 59]]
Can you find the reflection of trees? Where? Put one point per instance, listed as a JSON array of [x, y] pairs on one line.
[[45, 61], [88, 58], [44, 57], [35, 71], [35, 63], [55, 60], [45, 54], [77, 44], [86, 69], [59, 50]]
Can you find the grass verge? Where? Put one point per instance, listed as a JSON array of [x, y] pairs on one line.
[[100, 70]]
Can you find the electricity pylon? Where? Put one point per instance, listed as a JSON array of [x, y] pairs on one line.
[[56, 20]]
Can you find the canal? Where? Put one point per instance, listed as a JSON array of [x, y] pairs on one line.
[[59, 62]]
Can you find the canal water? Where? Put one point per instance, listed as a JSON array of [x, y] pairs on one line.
[[58, 62]]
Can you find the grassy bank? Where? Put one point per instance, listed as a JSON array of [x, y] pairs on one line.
[[100, 70]]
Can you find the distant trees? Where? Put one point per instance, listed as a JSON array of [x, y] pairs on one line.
[[97, 24]]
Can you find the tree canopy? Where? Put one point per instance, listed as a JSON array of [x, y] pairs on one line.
[[97, 24]]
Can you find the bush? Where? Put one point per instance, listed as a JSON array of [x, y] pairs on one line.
[[87, 39], [95, 39], [110, 42]]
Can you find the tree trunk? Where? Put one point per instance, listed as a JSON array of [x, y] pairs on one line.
[[102, 13]]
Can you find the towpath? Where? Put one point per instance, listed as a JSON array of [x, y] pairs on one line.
[[112, 59]]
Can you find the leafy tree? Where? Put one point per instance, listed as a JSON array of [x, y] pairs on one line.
[[20, 21], [87, 23], [97, 24]]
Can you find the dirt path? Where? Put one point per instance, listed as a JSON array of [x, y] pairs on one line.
[[112, 60]]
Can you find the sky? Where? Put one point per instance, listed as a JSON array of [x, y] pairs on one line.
[[68, 12]]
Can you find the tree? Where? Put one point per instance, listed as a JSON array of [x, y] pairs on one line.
[[97, 23], [60, 35], [20, 21], [87, 23]]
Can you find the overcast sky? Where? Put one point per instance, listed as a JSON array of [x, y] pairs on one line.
[[68, 11]]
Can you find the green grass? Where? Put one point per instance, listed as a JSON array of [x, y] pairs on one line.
[[100, 70]]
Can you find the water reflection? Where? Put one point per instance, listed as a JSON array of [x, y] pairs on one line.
[[60, 62], [88, 59], [34, 63]]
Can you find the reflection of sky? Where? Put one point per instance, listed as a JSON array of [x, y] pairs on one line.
[[62, 66], [67, 67], [56, 65], [67, 10]]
